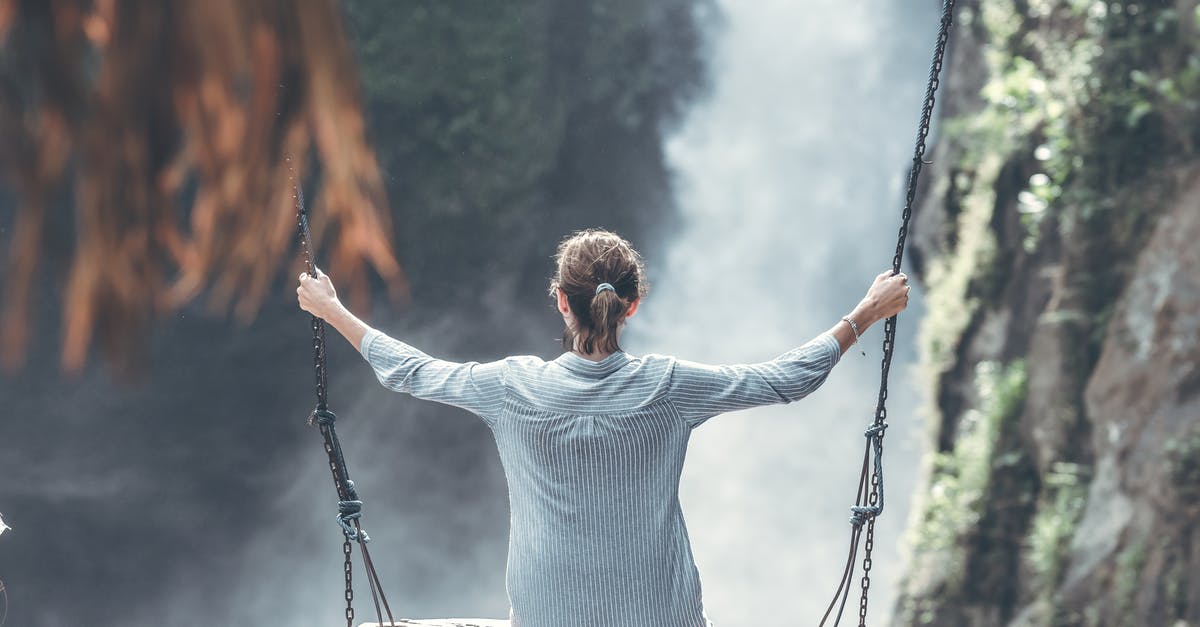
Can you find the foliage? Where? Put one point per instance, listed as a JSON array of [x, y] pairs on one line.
[[960, 478], [949, 301], [1130, 562], [1183, 462], [1101, 109], [456, 99], [1085, 106], [510, 124], [1063, 497]]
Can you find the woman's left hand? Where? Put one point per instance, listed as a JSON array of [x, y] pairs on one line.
[[316, 295]]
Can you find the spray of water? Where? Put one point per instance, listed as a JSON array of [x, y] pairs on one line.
[[790, 181]]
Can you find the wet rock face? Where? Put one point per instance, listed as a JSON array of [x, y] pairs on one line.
[[1131, 550], [1069, 327]]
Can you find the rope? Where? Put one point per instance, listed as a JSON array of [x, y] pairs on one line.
[[868, 503], [349, 516]]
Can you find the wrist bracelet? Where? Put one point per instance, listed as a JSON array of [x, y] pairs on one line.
[[854, 329]]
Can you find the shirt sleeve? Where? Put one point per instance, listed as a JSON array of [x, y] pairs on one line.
[[701, 391], [476, 387]]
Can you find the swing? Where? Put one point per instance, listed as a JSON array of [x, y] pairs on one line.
[[869, 496], [442, 622], [868, 503]]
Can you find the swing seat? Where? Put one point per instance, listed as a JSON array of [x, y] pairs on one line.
[[439, 622]]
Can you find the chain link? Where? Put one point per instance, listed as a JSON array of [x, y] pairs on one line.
[[875, 500], [333, 449], [866, 513], [869, 544], [348, 567]]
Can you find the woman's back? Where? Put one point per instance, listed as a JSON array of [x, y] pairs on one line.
[[593, 451]]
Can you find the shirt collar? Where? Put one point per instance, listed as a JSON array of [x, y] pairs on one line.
[[583, 366]]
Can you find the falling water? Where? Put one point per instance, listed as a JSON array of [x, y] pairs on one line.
[[790, 180]]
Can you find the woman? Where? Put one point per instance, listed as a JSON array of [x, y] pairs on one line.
[[593, 442]]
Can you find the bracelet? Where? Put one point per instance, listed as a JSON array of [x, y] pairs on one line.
[[854, 329]]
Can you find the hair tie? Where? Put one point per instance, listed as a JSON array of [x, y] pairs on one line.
[[605, 286]]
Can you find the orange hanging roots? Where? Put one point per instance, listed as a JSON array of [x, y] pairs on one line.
[[197, 100]]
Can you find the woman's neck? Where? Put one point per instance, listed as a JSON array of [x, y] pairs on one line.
[[596, 355]]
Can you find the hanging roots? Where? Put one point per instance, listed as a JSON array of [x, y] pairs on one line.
[[171, 124]]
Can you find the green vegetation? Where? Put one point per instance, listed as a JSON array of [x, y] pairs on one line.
[[950, 306], [960, 478], [458, 96], [963, 484], [1175, 587], [1183, 462], [1064, 495], [1130, 562], [1085, 109], [1086, 114], [509, 124]]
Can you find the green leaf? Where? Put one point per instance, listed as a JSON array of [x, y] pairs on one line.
[[1139, 111]]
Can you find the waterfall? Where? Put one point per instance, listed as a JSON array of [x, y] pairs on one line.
[[790, 181]]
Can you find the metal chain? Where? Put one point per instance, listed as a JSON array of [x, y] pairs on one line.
[[869, 544], [348, 567], [864, 514], [318, 325], [349, 506]]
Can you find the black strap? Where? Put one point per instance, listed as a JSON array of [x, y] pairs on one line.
[[868, 502], [349, 505]]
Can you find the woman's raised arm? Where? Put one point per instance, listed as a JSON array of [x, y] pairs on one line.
[[476, 387], [701, 391]]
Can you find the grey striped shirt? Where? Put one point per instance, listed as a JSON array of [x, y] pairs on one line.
[[593, 451]]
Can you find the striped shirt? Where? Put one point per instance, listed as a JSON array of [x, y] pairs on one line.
[[592, 452]]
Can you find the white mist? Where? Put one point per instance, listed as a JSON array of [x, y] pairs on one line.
[[789, 178]]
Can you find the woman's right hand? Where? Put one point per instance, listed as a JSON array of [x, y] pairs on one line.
[[887, 296], [316, 294]]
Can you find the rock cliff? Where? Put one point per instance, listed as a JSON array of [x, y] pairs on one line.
[[1057, 239]]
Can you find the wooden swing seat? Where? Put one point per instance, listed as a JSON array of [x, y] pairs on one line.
[[439, 622]]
